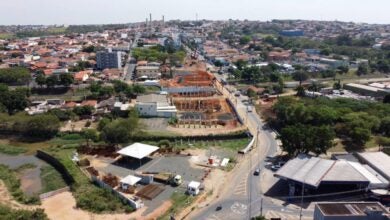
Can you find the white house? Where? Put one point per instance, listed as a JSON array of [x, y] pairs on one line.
[[155, 105]]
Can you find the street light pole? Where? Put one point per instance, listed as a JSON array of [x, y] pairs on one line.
[[303, 190]]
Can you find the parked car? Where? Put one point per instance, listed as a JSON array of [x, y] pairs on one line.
[[275, 167]]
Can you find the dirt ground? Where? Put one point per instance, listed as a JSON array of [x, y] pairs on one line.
[[6, 199], [76, 126], [186, 130], [62, 207]]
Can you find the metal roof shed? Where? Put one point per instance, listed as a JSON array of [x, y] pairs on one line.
[[138, 150], [130, 180], [379, 161]]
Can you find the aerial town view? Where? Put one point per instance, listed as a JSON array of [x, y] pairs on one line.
[[203, 110]]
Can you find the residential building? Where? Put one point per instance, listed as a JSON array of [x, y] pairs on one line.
[[108, 60]]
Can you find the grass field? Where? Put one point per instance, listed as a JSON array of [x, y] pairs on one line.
[[6, 35], [12, 183], [12, 150], [179, 201], [51, 179]]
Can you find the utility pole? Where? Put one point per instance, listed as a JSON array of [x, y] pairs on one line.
[[250, 187], [303, 190], [261, 207]]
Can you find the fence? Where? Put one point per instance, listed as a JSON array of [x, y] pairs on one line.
[[136, 203], [57, 165], [221, 137], [248, 147], [53, 193]]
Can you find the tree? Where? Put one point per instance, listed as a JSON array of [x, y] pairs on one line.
[[120, 86], [245, 40], [90, 135], [241, 64], [89, 49], [300, 91], [121, 130], [301, 138], [337, 85], [41, 126], [14, 75], [385, 126], [51, 81], [363, 69], [218, 63], [358, 126], [66, 79], [300, 76], [343, 69], [13, 101], [386, 99], [83, 110], [138, 89], [40, 80]]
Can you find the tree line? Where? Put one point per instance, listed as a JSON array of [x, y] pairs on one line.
[[311, 125]]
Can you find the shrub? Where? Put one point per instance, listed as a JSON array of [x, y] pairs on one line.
[[13, 185]]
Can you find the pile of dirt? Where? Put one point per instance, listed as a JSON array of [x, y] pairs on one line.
[[111, 180], [103, 151]]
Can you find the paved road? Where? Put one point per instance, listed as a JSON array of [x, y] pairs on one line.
[[243, 197], [130, 67]]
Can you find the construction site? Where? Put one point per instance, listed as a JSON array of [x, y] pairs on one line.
[[199, 102]]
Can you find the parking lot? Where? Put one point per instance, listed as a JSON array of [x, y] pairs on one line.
[[178, 165], [155, 124]]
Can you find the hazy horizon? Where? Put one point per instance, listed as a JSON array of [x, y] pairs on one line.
[[50, 12]]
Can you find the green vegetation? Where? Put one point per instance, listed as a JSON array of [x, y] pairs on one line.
[[8, 213], [306, 123], [4, 36], [69, 30], [13, 185], [88, 196], [179, 202], [12, 101], [24, 167], [130, 91], [37, 127], [64, 79], [51, 179], [160, 54], [15, 75], [12, 150], [120, 130]]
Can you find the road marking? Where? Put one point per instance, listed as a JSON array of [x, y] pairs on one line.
[[241, 188], [213, 217], [274, 214], [239, 208]]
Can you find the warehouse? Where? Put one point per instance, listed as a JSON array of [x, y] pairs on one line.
[[316, 173], [155, 105]]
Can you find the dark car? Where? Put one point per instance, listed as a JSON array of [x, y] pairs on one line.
[[257, 172], [219, 208]]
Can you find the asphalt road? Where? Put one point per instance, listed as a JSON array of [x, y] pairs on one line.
[[130, 67], [242, 197]]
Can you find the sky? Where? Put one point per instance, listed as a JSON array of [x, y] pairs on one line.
[[124, 11]]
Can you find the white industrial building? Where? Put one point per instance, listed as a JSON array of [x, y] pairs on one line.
[[314, 172], [155, 105]]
